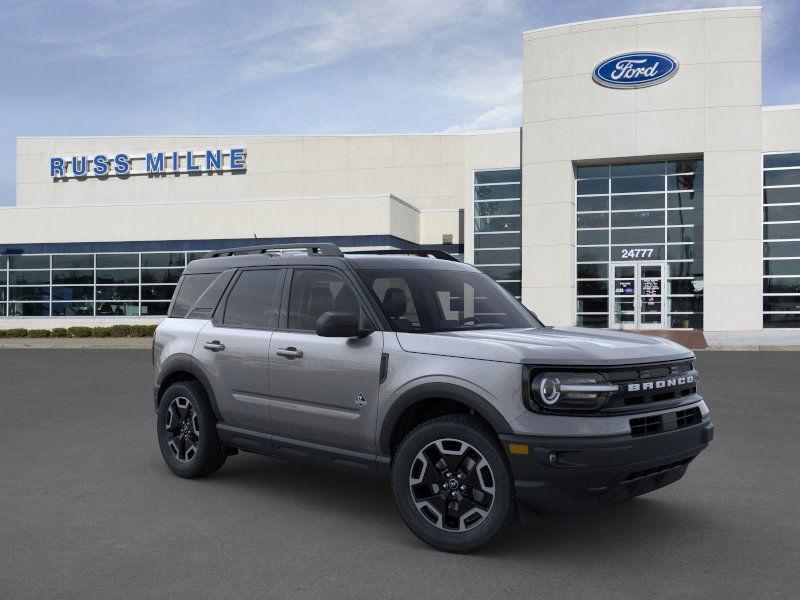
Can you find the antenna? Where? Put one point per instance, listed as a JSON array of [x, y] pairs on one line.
[[256, 238]]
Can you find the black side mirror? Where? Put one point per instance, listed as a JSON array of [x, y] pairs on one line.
[[340, 324]]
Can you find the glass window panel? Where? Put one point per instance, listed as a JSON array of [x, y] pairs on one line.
[[597, 203], [592, 254], [118, 276], [694, 304], [789, 320], [637, 184], [648, 168], [161, 275], [637, 236], [117, 309], [498, 224], [314, 292], [592, 271], [498, 176], [685, 199], [29, 277], [782, 213], [2, 310], [782, 231], [637, 202], [782, 195], [154, 309], [684, 166], [684, 217], [73, 261], [23, 261], [680, 252], [681, 269], [192, 287], [782, 249], [782, 267], [157, 292], [685, 286], [118, 292], [592, 321], [592, 288], [591, 171], [28, 309], [497, 257], [73, 309], [2, 277], [163, 259], [497, 273], [782, 303], [3, 262], [117, 260], [592, 186], [789, 159], [495, 192], [73, 277], [680, 234], [513, 287], [190, 256], [789, 177], [2, 294], [254, 300], [498, 240], [592, 220], [782, 285], [592, 236], [512, 207], [686, 321], [637, 219], [29, 293], [85, 292], [684, 182], [593, 305]]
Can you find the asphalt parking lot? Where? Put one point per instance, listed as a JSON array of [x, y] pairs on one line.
[[88, 510]]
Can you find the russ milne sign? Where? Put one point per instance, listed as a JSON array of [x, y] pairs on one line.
[[151, 163], [635, 70]]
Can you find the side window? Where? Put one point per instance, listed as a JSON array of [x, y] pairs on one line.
[[316, 292], [398, 304], [254, 300], [189, 291]]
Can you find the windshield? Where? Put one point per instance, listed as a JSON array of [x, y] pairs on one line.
[[430, 301]]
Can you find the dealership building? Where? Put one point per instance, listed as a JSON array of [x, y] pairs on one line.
[[646, 188]]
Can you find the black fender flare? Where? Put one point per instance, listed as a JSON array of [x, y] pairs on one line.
[[445, 391], [185, 363]]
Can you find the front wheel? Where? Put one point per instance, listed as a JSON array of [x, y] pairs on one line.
[[452, 484], [186, 429]]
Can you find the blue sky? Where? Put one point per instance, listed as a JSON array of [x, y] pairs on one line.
[[152, 67]]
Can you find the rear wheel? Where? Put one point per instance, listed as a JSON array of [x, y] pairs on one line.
[[452, 484], [187, 434]]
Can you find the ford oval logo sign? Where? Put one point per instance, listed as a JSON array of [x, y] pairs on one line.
[[635, 70]]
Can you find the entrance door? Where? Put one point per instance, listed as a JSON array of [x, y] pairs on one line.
[[636, 298]]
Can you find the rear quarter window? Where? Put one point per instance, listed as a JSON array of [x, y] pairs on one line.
[[189, 290]]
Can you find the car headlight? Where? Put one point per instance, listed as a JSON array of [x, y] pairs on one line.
[[571, 391]]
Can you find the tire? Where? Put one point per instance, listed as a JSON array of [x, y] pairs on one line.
[[186, 430], [463, 503]]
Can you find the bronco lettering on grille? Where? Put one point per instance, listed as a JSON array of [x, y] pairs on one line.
[[659, 384]]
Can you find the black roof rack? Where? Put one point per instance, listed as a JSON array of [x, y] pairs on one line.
[[324, 249], [440, 254]]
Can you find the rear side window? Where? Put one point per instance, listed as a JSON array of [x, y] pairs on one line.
[[253, 302], [316, 292], [189, 291]]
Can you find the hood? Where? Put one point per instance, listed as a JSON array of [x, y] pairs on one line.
[[545, 346]]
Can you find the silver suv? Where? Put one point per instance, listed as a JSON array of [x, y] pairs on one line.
[[412, 366]]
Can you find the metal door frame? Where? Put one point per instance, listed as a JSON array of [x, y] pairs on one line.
[[636, 324]]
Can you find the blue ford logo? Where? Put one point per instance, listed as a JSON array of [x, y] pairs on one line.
[[635, 70]]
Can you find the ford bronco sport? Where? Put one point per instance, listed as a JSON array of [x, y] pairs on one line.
[[413, 366]]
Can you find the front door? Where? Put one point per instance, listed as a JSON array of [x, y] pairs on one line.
[[636, 299], [322, 389]]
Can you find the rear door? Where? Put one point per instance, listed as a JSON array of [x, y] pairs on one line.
[[234, 347], [324, 389]]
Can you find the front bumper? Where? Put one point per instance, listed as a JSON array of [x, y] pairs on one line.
[[564, 475]]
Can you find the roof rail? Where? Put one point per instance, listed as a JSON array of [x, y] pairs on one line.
[[440, 254], [324, 249]]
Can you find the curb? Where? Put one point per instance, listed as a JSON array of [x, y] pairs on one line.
[[77, 343], [753, 348]]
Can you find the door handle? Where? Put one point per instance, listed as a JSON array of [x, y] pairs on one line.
[[290, 352], [214, 346]]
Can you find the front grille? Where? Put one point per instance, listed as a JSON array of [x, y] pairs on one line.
[[653, 424], [642, 386]]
